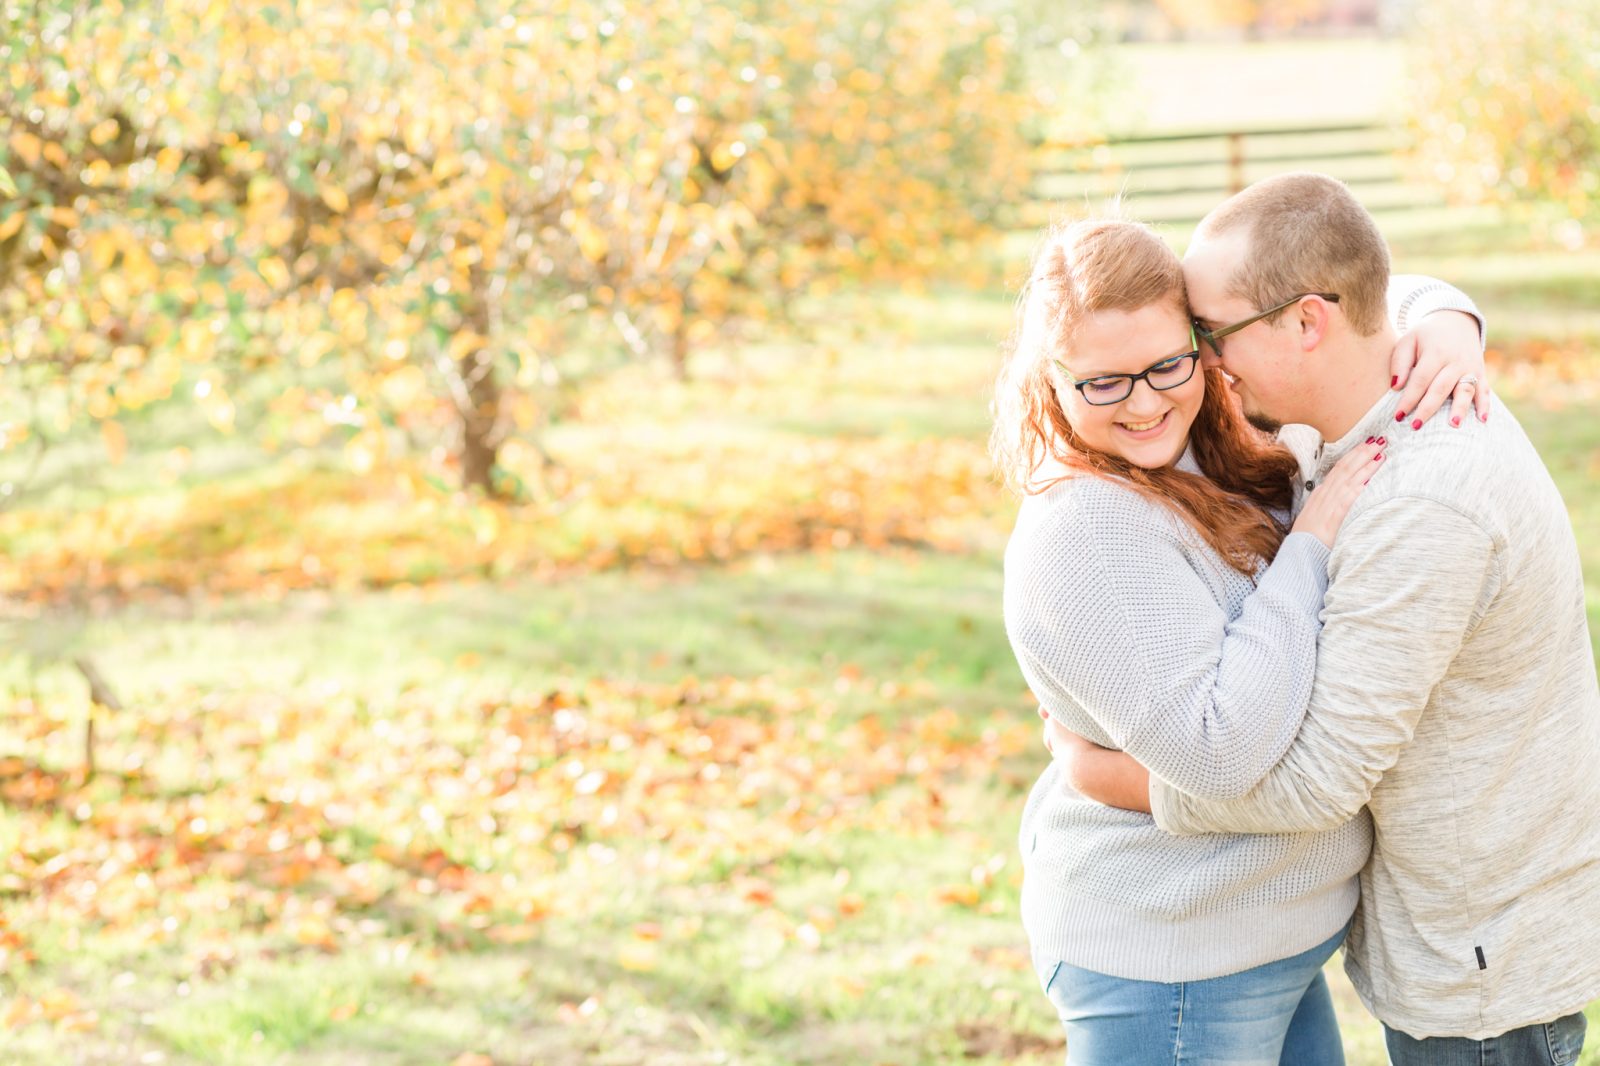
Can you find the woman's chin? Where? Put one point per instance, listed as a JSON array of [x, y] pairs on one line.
[[1156, 454]]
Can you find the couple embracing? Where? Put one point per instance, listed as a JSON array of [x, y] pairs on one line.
[[1312, 651]]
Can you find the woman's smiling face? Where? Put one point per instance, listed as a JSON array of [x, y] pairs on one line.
[[1150, 428]]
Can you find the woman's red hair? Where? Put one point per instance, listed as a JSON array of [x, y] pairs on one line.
[[1112, 264]]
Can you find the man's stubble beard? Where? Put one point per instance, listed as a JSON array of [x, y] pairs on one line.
[[1262, 422], [1256, 419]]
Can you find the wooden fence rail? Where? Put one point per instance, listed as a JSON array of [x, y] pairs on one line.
[[1177, 177]]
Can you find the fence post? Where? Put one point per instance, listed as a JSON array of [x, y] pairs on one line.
[[1235, 163]]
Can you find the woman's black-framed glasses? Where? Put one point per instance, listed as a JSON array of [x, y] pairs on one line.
[[1213, 337], [1171, 372]]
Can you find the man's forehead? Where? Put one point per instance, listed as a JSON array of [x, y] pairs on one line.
[[1217, 249], [1208, 266]]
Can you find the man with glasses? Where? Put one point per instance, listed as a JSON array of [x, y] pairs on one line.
[[1455, 696]]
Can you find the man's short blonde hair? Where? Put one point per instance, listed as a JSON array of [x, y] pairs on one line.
[[1306, 233]]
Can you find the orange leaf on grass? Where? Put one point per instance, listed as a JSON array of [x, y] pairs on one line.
[[520, 933], [639, 958], [959, 895], [758, 892], [79, 1022], [21, 1011], [58, 1003], [314, 932]]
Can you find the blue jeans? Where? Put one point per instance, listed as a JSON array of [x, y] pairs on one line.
[[1279, 1013], [1556, 1043]]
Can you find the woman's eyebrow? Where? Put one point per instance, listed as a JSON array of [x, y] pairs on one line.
[[1126, 373]]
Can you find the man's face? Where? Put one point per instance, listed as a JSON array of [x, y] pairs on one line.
[[1262, 359]]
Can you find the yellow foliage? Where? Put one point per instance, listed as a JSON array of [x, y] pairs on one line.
[[191, 238], [282, 179], [1505, 107], [168, 160], [102, 249], [403, 388], [315, 347], [274, 272], [116, 290], [27, 145], [139, 269], [335, 197], [115, 439]]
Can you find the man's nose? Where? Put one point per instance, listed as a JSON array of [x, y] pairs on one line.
[[1209, 357]]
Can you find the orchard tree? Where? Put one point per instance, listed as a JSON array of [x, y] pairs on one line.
[[1508, 105], [424, 218]]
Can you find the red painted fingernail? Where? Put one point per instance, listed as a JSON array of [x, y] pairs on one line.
[[1383, 440], [1416, 423], [1371, 439], [1379, 459], [1400, 417], [1394, 381], [1456, 421]]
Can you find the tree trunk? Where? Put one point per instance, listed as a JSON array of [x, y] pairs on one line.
[[480, 417], [100, 695], [680, 347], [479, 450]]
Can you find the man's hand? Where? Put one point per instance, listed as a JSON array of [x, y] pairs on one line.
[[1101, 774]]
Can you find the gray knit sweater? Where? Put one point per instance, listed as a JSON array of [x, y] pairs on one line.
[[1132, 632], [1456, 701]]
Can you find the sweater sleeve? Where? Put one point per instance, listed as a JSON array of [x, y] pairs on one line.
[[1413, 297], [1120, 622], [1389, 635]]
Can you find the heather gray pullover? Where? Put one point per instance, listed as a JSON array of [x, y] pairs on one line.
[[1455, 699]]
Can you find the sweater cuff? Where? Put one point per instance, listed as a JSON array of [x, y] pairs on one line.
[[1300, 571], [1443, 298]]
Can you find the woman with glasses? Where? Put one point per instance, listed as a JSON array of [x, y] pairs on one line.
[[1154, 553]]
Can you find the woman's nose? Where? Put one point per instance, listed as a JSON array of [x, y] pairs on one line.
[[1143, 399]]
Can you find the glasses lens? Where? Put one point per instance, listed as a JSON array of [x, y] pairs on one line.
[[1172, 373], [1111, 390]]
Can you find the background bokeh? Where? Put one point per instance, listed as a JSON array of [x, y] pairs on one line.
[[499, 560]]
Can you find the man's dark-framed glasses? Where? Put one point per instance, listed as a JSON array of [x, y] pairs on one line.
[[1213, 337], [1171, 372]]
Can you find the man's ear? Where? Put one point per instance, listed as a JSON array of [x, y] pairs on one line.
[[1313, 316]]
